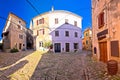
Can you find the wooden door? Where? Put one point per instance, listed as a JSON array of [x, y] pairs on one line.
[[57, 47], [67, 47], [103, 51]]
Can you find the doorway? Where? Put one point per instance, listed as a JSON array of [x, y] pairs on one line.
[[57, 47], [103, 51], [67, 47]]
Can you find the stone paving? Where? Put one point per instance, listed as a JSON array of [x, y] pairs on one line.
[[51, 66], [59, 67], [22, 69]]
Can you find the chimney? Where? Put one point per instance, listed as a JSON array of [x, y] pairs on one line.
[[52, 9]]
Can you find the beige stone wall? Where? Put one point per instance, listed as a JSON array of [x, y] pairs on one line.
[[111, 10], [40, 37], [15, 31]]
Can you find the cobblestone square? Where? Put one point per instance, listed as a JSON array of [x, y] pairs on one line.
[[39, 65]]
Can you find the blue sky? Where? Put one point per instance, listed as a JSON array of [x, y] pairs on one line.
[[23, 9]]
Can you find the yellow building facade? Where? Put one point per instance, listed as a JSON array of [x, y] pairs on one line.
[[87, 40]]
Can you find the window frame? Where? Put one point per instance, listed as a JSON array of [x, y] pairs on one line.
[[56, 33], [75, 23], [56, 20], [66, 33], [76, 34]]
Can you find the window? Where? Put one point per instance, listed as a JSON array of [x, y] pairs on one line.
[[76, 34], [37, 32], [95, 50], [40, 21], [101, 20], [66, 21], [42, 31], [19, 21], [19, 27], [20, 45], [20, 36], [40, 44], [75, 23], [56, 33], [56, 20], [75, 45], [67, 33], [86, 34], [86, 42]]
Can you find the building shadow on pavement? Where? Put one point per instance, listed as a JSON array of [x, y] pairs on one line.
[[4, 74], [7, 59]]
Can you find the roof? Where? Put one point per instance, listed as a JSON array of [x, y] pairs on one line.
[[87, 30], [16, 16], [60, 11], [9, 17]]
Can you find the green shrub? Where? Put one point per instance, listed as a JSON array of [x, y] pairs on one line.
[[47, 44], [14, 50]]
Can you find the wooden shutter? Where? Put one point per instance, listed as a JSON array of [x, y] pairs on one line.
[[101, 20], [37, 32], [37, 22], [43, 31], [42, 20], [115, 48]]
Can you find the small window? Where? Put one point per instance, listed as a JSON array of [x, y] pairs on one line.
[[75, 23], [86, 34], [56, 33], [101, 20], [56, 20], [75, 45], [40, 21], [66, 21], [20, 36], [19, 27], [19, 21], [40, 44], [95, 50], [67, 33], [42, 31], [76, 34], [37, 32], [20, 45], [86, 42]]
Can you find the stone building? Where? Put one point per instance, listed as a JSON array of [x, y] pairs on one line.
[[87, 39], [105, 27], [14, 35], [66, 38], [43, 24]]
